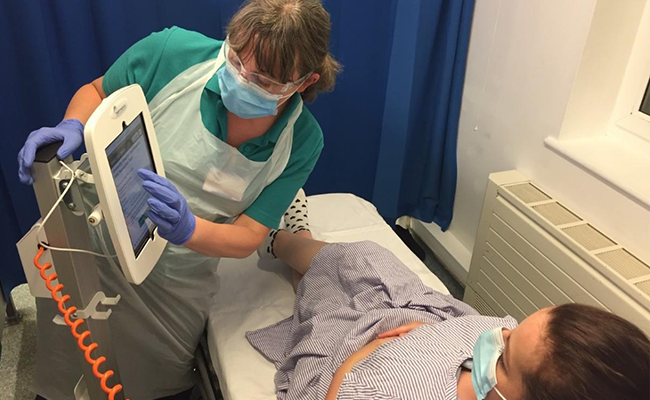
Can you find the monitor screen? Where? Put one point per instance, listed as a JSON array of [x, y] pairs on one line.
[[128, 153]]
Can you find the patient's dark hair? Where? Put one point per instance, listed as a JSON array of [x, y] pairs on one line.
[[591, 354]]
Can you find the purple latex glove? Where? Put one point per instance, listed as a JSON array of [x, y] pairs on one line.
[[168, 208], [70, 131]]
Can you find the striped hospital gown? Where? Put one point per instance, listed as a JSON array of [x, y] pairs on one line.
[[352, 293]]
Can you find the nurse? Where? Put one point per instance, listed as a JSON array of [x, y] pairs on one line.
[[237, 144]]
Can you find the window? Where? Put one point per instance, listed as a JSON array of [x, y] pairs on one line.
[[645, 104], [606, 129], [632, 111], [637, 118]]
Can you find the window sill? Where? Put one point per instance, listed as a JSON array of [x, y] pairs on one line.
[[615, 161]]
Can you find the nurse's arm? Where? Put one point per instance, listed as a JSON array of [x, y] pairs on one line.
[[237, 240], [85, 101]]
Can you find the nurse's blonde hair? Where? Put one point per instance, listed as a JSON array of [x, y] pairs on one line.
[[286, 36]]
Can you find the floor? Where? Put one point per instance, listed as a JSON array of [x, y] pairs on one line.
[[426, 255], [19, 341], [443, 274], [18, 349]]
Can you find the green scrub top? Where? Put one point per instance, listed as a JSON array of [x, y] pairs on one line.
[[155, 60]]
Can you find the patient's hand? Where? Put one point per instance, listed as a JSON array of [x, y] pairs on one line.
[[400, 330], [363, 352]]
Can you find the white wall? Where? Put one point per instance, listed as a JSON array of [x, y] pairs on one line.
[[523, 60]]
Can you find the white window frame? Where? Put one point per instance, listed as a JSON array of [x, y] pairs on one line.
[[626, 117]]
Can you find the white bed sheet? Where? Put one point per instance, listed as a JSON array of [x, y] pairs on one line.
[[255, 293]]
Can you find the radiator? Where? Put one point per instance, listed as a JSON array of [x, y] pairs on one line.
[[532, 252]]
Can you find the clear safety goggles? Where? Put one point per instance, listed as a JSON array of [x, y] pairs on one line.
[[261, 82]]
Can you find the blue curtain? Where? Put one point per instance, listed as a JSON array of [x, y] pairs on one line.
[[416, 171], [51, 48], [390, 124], [351, 116]]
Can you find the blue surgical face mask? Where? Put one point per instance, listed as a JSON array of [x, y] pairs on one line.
[[487, 350], [243, 99]]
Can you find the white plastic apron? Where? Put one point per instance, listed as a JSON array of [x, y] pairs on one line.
[[157, 326]]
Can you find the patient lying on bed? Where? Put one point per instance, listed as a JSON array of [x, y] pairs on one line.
[[365, 327]]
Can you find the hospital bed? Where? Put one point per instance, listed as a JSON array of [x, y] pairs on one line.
[[255, 293]]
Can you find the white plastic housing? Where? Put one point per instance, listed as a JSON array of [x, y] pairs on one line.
[[103, 127]]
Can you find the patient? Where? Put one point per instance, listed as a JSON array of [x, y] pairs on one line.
[[365, 327]]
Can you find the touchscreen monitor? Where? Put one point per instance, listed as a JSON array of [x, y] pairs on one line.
[[129, 152]]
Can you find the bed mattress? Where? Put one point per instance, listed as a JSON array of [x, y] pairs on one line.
[[255, 293]]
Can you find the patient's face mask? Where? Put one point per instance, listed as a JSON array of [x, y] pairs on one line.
[[487, 351]]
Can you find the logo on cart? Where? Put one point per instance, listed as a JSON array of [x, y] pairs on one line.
[[118, 110]]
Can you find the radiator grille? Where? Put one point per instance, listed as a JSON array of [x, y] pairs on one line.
[[556, 214], [644, 286], [589, 237], [482, 307], [625, 263], [528, 193], [541, 252]]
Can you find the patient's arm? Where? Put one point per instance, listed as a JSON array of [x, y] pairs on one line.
[[400, 330], [362, 353], [347, 365]]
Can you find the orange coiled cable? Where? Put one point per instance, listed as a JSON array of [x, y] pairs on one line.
[[67, 313]]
